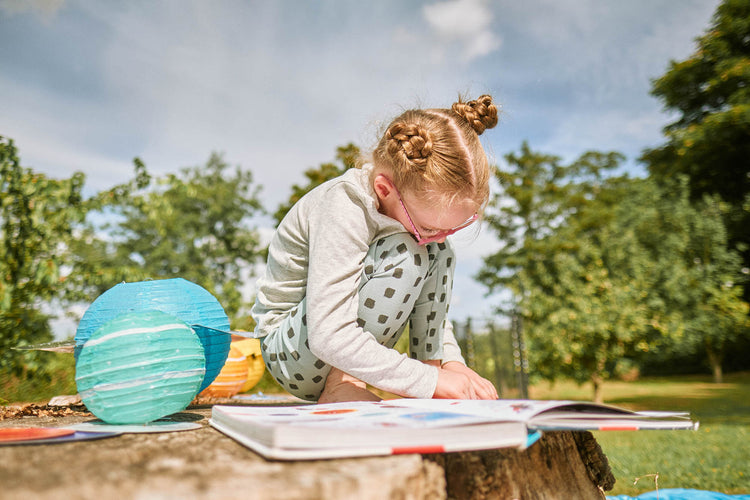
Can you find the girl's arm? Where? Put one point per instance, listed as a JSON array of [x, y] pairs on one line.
[[451, 350], [455, 379], [339, 238]]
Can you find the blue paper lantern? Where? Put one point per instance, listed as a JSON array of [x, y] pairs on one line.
[[216, 346], [140, 367], [185, 300]]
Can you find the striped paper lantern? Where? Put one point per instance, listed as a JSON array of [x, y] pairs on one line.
[[231, 378], [255, 366], [185, 300], [140, 367]]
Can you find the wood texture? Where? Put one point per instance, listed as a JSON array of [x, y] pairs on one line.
[[564, 465]]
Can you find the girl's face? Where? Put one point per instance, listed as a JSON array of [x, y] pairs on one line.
[[426, 216], [439, 219]]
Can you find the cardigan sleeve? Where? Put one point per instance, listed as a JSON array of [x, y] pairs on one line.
[[451, 350], [340, 233]]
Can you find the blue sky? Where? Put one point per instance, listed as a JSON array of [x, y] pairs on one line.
[[277, 86]]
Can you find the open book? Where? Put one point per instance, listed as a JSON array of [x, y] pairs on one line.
[[400, 426]]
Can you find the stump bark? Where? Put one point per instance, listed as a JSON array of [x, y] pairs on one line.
[[207, 464], [562, 465]]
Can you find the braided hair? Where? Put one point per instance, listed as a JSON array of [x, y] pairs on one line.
[[438, 150]]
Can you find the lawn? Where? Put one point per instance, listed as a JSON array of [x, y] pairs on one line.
[[715, 458]]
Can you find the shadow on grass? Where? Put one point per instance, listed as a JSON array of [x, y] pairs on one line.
[[711, 403], [728, 403]]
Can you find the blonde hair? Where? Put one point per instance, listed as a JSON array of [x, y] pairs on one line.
[[438, 150]]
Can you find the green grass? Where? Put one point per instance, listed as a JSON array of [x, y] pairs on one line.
[[715, 458], [58, 378]]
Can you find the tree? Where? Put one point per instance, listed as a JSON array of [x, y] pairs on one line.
[[91, 252], [586, 309], [537, 194], [38, 215], [699, 290], [644, 270], [720, 315], [710, 140], [347, 157], [544, 261], [624, 269], [195, 225]]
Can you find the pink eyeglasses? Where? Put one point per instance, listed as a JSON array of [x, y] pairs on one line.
[[438, 234]]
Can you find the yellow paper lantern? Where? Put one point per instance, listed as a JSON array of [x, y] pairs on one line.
[[231, 378], [251, 349]]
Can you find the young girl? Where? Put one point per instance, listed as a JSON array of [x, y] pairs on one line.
[[362, 255]]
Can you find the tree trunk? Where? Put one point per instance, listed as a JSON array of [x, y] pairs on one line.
[[598, 378], [561, 465], [596, 381], [714, 359]]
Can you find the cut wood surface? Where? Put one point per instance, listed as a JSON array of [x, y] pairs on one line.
[[204, 463]]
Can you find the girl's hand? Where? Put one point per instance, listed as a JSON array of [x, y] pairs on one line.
[[482, 388], [452, 384]]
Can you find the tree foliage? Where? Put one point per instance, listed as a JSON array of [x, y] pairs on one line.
[[38, 215], [710, 139], [700, 279], [194, 225], [537, 195], [555, 269], [60, 248], [94, 267], [607, 270]]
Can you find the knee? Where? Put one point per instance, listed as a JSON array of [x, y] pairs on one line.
[[441, 255], [398, 256]]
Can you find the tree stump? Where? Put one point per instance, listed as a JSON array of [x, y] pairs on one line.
[[561, 465], [204, 464]]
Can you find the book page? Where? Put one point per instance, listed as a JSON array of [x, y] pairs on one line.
[[382, 414]]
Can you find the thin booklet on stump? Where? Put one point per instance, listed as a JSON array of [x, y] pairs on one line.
[[367, 428]]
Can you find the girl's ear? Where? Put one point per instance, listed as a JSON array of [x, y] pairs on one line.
[[382, 186]]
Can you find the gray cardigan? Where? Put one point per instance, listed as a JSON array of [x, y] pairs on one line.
[[318, 252]]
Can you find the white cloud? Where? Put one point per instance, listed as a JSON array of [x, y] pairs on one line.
[[458, 18], [465, 21]]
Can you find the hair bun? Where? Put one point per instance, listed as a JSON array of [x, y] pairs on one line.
[[409, 143], [480, 113]]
